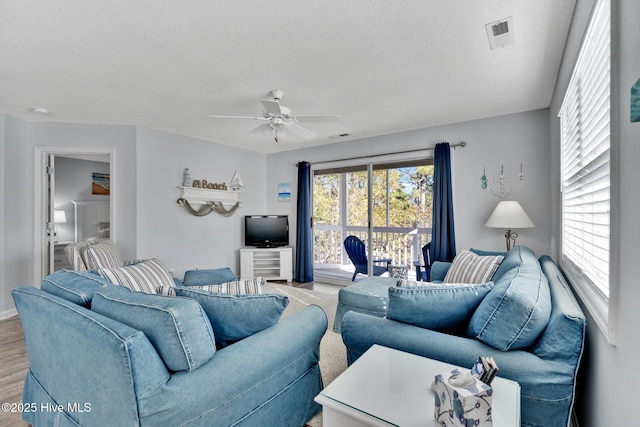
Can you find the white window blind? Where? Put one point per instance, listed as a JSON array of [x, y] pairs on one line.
[[585, 158]]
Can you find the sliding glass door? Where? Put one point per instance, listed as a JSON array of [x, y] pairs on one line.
[[388, 207]]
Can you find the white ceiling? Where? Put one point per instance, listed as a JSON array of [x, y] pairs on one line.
[[384, 66]]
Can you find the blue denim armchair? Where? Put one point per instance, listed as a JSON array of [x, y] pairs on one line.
[[98, 371]]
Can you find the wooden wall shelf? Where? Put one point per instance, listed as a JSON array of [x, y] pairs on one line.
[[205, 195]]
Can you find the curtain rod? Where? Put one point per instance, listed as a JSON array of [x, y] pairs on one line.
[[454, 146]]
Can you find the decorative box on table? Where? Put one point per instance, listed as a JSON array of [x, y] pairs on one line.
[[462, 400]]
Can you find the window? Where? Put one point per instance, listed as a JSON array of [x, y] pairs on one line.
[[585, 168]]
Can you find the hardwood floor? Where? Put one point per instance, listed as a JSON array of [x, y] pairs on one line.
[[13, 368]]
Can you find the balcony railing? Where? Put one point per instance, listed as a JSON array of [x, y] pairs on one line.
[[401, 244]]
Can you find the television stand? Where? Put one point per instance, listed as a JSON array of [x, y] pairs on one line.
[[268, 246], [270, 263]]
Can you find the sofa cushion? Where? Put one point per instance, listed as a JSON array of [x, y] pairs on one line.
[[468, 267], [443, 307], [234, 317], [75, 286], [214, 276], [517, 309], [147, 276], [178, 328], [102, 255]]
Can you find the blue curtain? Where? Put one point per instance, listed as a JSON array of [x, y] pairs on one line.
[[443, 239], [304, 233]]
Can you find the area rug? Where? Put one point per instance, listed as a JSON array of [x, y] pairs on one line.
[[333, 356]]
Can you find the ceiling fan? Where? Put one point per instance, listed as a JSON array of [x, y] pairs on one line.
[[279, 120]]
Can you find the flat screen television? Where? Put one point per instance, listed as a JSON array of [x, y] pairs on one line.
[[266, 231]]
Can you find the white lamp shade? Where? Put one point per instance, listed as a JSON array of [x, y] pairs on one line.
[[59, 216], [509, 214]]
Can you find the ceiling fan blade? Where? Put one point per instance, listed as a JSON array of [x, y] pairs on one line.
[[262, 130], [318, 119], [299, 130], [272, 107], [215, 116]]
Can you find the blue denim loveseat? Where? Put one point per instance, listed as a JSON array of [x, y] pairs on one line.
[[529, 322], [88, 368]]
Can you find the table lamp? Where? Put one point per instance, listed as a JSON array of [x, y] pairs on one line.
[[509, 215], [59, 217]]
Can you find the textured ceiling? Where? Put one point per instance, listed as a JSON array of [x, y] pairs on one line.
[[384, 66]]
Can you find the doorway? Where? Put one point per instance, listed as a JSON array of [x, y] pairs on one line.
[[56, 218]]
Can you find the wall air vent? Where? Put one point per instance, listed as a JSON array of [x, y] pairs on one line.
[[500, 33]]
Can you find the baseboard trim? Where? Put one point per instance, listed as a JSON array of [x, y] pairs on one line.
[[9, 313]]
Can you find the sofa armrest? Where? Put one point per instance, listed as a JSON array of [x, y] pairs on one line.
[[439, 270], [71, 349]]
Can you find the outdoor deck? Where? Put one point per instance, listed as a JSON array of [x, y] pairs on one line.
[[342, 276]]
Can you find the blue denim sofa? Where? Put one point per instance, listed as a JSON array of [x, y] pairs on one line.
[[87, 368], [529, 322]]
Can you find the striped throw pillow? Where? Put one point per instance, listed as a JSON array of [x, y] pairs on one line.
[[147, 276], [75, 251], [237, 287], [103, 255], [169, 291], [215, 289], [245, 287], [468, 267]]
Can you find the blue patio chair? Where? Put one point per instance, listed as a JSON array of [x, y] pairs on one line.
[[358, 255], [423, 272]]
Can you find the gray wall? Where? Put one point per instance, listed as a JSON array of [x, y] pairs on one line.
[[20, 139], [183, 241], [610, 371], [506, 140]]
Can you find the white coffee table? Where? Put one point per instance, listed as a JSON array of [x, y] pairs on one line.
[[389, 387]]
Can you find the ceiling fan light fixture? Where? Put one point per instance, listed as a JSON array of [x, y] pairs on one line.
[[280, 120], [276, 94]]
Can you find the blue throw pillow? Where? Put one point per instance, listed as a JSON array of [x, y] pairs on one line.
[[178, 328], [234, 317], [439, 307], [488, 253], [75, 286], [517, 310], [511, 260], [214, 276]]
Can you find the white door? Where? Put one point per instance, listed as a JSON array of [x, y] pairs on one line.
[[50, 229]]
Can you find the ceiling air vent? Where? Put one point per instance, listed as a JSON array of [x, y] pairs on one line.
[[342, 135], [500, 33]]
